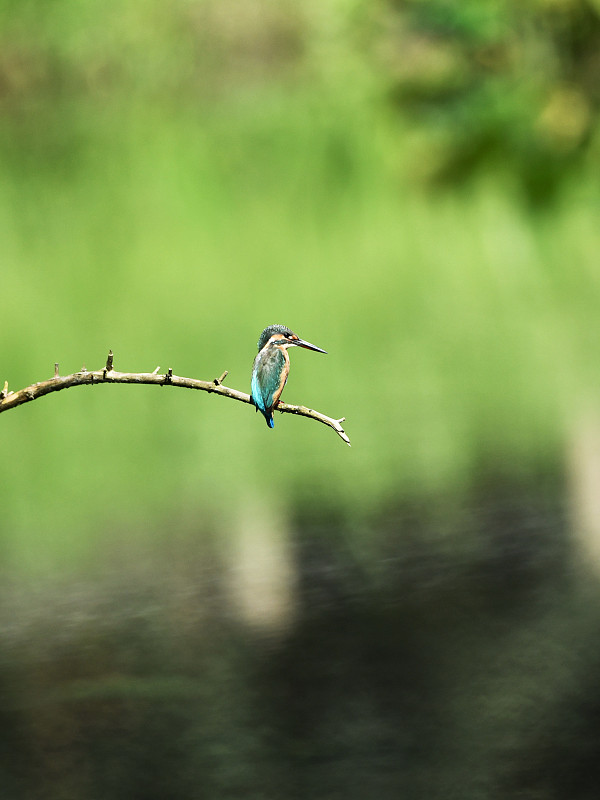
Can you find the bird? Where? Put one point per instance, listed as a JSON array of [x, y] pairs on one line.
[[272, 366]]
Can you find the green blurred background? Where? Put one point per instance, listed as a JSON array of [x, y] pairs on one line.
[[194, 605]]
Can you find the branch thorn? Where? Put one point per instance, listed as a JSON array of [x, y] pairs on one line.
[[4, 392], [109, 361], [155, 371], [169, 375], [56, 370], [219, 381]]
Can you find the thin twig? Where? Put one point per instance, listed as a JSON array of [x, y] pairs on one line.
[[108, 375]]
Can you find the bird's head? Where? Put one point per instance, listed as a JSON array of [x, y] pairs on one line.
[[281, 336]]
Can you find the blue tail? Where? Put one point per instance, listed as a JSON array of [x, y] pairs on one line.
[[268, 415]]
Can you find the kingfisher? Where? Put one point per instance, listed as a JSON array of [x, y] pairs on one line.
[[272, 366]]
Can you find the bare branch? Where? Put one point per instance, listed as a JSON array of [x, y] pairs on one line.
[[303, 411], [108, 375]]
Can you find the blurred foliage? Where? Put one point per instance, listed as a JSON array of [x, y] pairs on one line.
[[478, 84], [496, 80]]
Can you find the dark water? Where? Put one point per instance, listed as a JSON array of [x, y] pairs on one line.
[[459, 658]]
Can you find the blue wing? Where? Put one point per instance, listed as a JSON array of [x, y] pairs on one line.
[[268, 378]]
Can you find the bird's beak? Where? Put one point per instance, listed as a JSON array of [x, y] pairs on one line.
[[308, 346]]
